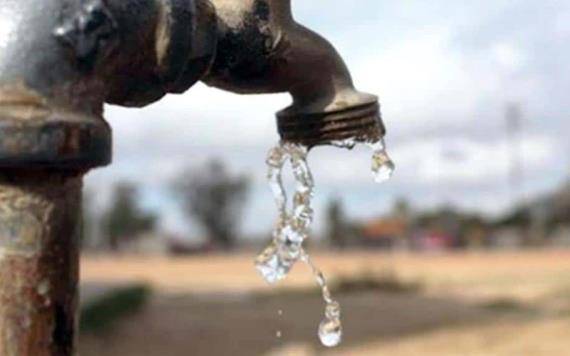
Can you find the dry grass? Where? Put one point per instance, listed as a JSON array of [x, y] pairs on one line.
[[507, 338], [460, 309]]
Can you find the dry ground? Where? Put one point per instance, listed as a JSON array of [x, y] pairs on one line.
[[471, 304]]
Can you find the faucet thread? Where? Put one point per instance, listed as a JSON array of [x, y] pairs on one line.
[[361, 123]]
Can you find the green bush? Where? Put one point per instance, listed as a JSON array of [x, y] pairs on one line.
[[101, 315], [387, 281]]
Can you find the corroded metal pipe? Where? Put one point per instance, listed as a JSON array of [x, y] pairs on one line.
[[60, 60], [39, 262]]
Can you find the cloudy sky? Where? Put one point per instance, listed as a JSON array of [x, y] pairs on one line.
[[444, 72]]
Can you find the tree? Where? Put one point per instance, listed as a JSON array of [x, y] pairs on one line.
[[215, 199], [125, 221], [336, 224]]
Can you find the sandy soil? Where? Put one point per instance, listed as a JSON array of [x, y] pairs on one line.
[[210, 325], [502, 338], [210, 305]]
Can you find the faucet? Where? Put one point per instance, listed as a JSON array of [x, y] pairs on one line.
[[262, 49], [62, 60]]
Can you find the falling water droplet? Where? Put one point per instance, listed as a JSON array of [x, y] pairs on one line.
[[278, 334], [276, 261], [330, 332], [382, 165], [330, 329], [269, 265]]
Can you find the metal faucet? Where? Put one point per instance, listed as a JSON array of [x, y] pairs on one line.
[[61, 60], [263, 50]]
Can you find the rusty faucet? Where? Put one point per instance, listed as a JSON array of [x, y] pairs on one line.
[[263, 50], [61, 60]]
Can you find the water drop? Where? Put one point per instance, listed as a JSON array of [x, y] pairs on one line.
[[382, 165], [278, 334], [273, 264], [330, 332], [332, 310]]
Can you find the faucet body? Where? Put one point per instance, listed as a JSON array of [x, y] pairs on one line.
[[262, 49], [61, 60]]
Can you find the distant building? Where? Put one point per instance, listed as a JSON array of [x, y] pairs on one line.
[[433, 240], [386, 233], [435, 231]]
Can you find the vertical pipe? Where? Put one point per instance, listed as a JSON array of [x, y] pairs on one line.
[[39, 262]]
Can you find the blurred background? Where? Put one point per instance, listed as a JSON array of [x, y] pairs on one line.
[[465, 251]]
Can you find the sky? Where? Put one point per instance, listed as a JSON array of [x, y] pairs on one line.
[[444, 71]]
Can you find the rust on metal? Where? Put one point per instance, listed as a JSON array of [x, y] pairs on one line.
[[19, 233], [18, 101], [39, 212]]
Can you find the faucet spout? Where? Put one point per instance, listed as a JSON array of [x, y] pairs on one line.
[[262, 49]]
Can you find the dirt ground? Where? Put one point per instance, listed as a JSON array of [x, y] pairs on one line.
[[470, 304]]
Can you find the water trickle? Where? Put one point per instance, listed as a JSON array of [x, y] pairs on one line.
[[330, 329], [293, 225], [382, 166]]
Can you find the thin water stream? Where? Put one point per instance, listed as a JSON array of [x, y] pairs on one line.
[[293, 225]]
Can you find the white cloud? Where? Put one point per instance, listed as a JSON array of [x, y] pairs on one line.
[[424, 83], [465, 161], [508, 56]]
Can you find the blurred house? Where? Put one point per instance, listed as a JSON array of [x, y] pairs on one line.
[[433, 240], [387, 233], [440, 230], [437, 230]]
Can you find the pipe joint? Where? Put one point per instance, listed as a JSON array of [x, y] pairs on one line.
[[61, 60]]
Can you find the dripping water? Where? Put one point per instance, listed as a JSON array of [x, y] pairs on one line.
[[293, 225], [382, 166]]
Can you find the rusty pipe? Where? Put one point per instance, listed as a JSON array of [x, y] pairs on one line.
[[262, 49], [60, 61], [39, 262]]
